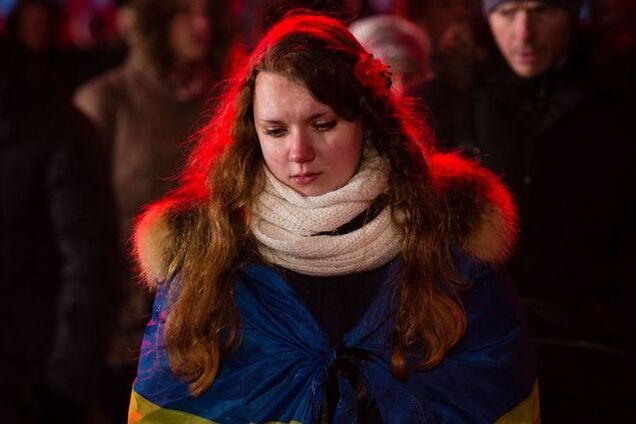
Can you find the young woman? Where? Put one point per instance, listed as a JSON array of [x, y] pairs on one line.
[[321, 263]]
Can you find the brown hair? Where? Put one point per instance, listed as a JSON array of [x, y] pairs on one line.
[[151, 21], [218, 186]]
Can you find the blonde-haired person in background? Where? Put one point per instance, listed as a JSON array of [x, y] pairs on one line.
[[402, 45]]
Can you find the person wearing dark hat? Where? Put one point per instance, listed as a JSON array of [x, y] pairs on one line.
[[533, 36], [536, 117], [571, 6]]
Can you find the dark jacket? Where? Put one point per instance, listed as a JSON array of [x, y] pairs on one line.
[[563, 150], [57, 244]]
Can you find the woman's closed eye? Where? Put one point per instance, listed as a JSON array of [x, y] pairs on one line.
[[319, 126], [325, 125], [275, 132]]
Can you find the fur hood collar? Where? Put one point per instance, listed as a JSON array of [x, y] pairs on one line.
[[480, 213]]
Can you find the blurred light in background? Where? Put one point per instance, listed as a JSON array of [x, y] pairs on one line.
[[85, 23]]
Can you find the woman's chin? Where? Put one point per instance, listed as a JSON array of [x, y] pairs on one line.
[[310, 191]]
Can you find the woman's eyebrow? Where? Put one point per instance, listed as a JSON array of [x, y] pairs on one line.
[[309, 118], [318, 115], [269, 121]]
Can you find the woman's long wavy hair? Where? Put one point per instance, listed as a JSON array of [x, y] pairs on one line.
[[224, 174]]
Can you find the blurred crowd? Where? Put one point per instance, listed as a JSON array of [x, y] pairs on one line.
[[95, 114]]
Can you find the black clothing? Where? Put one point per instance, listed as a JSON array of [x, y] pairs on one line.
[[57, 247], [560, 149], [338, 302], [563, 151]]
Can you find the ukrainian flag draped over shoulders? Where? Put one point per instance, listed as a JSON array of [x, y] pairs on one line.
[[279, 371]]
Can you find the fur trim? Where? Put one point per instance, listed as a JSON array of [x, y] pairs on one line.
[[481, 216], [481, 213], [153, 244]]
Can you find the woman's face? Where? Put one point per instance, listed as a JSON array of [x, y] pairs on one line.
[[305, 144]]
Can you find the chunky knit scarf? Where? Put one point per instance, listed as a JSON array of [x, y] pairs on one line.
[[291, 228]]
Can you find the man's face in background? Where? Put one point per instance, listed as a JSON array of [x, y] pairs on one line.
[[533, 36]]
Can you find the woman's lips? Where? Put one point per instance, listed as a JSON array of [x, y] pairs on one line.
[[303, 179]]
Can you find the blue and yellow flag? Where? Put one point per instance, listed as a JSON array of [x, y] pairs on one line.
[[279, 372]]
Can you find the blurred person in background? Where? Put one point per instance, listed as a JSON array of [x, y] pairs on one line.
[[259, 15], [32, 44], [34, 24], [612, 28], [453, 26], [96, 34], [43, 34], [57, 245], [456, 33], [144, 110], [408, 50], [402, 45], [535, 117], [613, 63]]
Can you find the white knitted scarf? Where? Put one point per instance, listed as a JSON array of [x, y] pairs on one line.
[[285, 224]]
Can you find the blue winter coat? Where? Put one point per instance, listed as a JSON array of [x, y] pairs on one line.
[[279, 371]]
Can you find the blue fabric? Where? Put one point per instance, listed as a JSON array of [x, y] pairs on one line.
[[278, 372]]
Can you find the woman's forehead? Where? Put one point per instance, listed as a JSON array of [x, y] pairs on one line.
[[278, 97]]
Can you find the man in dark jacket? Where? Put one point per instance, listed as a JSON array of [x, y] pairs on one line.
[[534, 118], [57, 244]]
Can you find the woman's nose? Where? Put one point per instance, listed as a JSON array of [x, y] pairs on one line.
[[301, 148]]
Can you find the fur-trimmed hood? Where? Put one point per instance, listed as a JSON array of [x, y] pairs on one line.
[[479, 211]]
